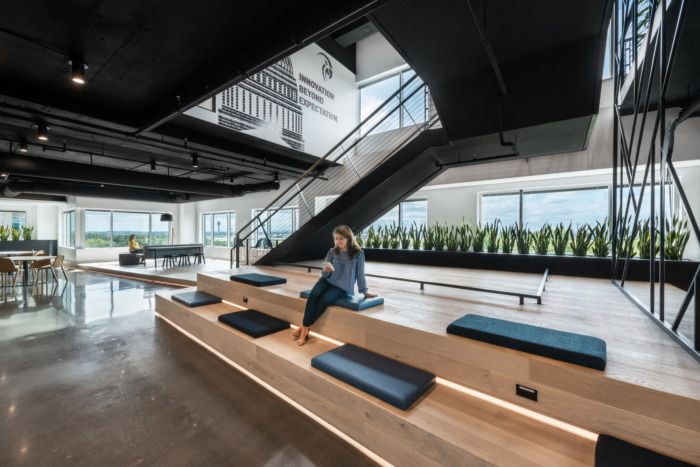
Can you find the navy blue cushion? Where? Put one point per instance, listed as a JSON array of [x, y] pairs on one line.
[[254, 323], [613, 452], [565, 346], [394, 382], [197, 298], [258, 280], [355, 302]]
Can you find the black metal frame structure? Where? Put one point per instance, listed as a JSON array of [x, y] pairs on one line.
[[521, 295], [648, 79]]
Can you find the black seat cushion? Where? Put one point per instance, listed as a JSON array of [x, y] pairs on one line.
[[258, 280], [565, 346], [254, 323], [613, 452], [197, 298], [394, 382]]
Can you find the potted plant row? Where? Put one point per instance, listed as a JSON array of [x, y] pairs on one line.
[[8, 231], [564, 249]]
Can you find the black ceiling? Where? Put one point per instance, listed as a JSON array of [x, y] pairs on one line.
[[548, 52], [148, 61]]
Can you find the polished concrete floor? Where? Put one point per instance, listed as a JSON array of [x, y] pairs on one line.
[[89, 376]]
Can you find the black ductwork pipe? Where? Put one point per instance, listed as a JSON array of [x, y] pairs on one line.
[[52, 169], [14, 189], [240, 190]]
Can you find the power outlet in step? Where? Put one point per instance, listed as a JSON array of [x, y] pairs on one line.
[[526, 392], [245, 299]]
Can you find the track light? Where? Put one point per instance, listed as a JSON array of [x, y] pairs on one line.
[[78, 68], [153, 165], [23, 146], [195, 160], [42, 131], [276, 177]]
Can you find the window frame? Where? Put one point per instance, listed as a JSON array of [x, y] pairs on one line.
[[230, 228], [111, 212], [401, 72]]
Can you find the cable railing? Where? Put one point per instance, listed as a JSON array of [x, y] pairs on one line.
[[397, 121]]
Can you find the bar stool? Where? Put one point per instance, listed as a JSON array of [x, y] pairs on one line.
[[168, 261], [183, 259], [199, 258]]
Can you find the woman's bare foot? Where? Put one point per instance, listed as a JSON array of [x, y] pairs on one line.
[[296, 333], [303, 336]]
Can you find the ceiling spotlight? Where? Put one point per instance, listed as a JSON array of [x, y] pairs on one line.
[[78, 68], [42, 131], [153, 165], [23, 146], [276, 177], [195, 160], [4, 175]]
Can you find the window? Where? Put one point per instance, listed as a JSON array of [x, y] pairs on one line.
[[278, 227], [576, 206], [219, 229], [502, 206], [104, 229], [16, 219], [160, 231], [68, 237], [404, 214], [98, 229], [645, 211], [124, 224], [373, 95]]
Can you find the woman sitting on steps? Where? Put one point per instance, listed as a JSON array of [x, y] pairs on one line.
[[344, 265]]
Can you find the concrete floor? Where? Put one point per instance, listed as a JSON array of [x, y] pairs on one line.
[[89, 376]]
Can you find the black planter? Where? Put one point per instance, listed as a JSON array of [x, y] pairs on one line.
[[678, 273], [49, 246]]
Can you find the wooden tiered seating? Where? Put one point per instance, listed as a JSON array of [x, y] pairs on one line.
[[663, 421], [446, 427]]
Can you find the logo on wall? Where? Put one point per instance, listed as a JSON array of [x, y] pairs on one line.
[[326, 67]]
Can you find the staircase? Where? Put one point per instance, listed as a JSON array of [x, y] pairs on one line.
[[370, 145]]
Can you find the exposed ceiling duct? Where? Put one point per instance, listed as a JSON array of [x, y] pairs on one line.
[[43, 168]]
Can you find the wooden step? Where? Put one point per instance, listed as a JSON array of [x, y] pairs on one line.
[[446, 427], [600, 402]]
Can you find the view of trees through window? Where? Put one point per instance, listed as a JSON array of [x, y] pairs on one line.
[[577, 206], [104, 229], [219, 228], [278, 227]]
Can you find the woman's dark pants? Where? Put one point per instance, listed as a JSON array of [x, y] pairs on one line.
[[322, 295]]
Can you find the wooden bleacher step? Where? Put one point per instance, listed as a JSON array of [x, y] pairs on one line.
[[446, 426]]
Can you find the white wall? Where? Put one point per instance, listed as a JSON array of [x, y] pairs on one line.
[[374, 56]]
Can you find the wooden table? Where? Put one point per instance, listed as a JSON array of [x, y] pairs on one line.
[[25, 260], [16, 253]]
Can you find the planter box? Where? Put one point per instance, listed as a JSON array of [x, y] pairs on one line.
[[49, 246], [678, 273]]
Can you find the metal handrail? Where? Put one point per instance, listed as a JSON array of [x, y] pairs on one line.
[[521, 295], [275, 205], [331, 151]]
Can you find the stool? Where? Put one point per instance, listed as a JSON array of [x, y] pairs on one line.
[[183, 259], [168, 261], [199, 258]]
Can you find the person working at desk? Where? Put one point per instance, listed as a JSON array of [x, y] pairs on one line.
[[134, 246]]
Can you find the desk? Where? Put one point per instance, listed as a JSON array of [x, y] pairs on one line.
[[25, 260]]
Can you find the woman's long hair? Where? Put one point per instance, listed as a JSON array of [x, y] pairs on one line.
[[132, 237], [353, 246]]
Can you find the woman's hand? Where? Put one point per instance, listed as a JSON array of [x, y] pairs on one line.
[[328, 267], [369, 294]]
